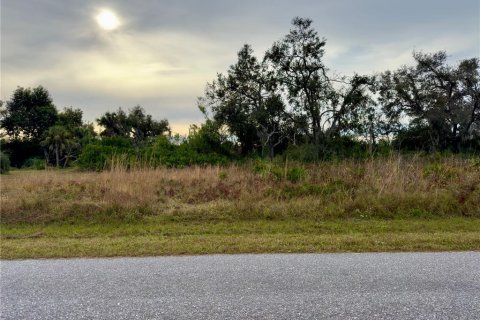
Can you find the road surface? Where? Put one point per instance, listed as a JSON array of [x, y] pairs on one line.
[[306, 286]]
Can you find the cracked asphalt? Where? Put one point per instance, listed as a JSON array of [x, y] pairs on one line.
[[274, 286]]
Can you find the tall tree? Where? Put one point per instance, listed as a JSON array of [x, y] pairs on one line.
[[326, 107], [347, 105], [29, 113], [246, 101], [297, 60], [114, 124], [70, 117], [442, 98]]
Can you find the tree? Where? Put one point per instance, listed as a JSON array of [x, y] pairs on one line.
[[442, 99], [114, 124], [135, 125], [297, 61], [142, 126], [325, 107], [70, 118], [80, 134], [245, 100], [209, 138], [272, 127], [58, 139], [347, 105], [28, 114]]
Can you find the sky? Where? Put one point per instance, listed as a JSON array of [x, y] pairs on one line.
[[163, 52]]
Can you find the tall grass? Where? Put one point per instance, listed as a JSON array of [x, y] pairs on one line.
[[398, 186]]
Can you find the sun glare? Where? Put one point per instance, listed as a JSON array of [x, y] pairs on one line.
[[107, 20]]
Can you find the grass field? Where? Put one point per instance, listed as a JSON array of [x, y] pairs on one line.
[[394, 204]]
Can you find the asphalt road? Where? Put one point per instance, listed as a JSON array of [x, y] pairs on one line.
[[311, 286]]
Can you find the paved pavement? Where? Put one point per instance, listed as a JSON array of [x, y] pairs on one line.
[[310, 286]]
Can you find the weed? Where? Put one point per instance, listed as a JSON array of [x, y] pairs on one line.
[[296, 174], [384, 188]]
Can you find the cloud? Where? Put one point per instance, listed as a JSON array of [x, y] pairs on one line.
[[165, 51]]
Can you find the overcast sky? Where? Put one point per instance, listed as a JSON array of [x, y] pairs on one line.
[[164, 52]]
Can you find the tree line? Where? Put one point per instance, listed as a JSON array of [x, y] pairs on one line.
[[287, 102], [290, 97]]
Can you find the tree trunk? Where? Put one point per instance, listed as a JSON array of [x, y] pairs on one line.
[[272, 151], [57, 156], [45, 152]]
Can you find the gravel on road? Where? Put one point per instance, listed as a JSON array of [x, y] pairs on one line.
[[275, 286]]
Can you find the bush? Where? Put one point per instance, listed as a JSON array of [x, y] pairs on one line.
[[415, 138], [279, 171], [303, 153], [4, 163], [439, 173], [109, 153], [165, 153], [335, 148], [35, 163], [99, 157], [296, 174], [21, 150]]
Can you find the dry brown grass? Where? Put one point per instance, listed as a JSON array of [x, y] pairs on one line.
[[379, 188], [395, 204]]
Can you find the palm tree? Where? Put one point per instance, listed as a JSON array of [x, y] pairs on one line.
[[57, 139]]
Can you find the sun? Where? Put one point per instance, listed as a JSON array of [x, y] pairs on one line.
[[107, 20]]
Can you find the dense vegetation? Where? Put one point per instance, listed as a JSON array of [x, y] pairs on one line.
[[286, 103]]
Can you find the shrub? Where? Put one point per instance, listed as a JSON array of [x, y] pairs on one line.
[[35, 163], [438, 171], [335, 148], [110, 153], [222, 175], [96, 157], [296, 174], [303, 153], [415, 138], [277, 172], [21, 150], [261, 167]]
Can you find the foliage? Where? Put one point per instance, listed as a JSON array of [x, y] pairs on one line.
[[28, 114], [414, 138], [21, 150], [59, 141], [164, 153], [324, 109], [4, 163], [136, 124], [209, 138], [284, 105], [296, 174], [245, 100], [302, 153], [112, 152], [35, 163], [438, 171], [98, 155], [70, 118], [279, 171], [376, 188], [443, 101]]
